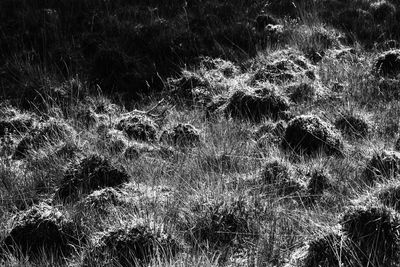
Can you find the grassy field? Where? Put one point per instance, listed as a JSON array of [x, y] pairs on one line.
[[199, 133]]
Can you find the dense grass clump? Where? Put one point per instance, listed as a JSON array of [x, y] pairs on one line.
[[374, 235], [93, 172], [388, 63], [138, 127], [330, 250], [42, 231], [352, 125], [134, 246], [218, 225], [181, 135], [47, 133], [309, 135], [319, 181], [257, 105], [384, 165]]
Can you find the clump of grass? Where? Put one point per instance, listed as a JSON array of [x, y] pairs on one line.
[[93, 172]]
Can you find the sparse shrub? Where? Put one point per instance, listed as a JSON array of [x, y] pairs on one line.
[[134, 246], [257, 105], [309, 134], [388, 63], [374, 235], [331, 250], [92, 173], [42, 230], [382, 165], [353, 125], [181, 135], [138, 127], [50, 132]]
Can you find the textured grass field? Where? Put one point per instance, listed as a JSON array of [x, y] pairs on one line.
[[199, 133]]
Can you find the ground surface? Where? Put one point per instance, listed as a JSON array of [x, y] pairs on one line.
[[199, 133]]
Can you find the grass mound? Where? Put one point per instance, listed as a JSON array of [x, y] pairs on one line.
[[374, 234], [52, 131], [388, 63], [42, 230], [269, 132], [132, 246], [277, 176], [320, 181], [189, 87], [390, 196], [309, 134], [114, 141], [282, 67], [138, 127], [382, 165], [301, 92], [257, 105], [264, 20], [182, 135], [331, 250], [353, 125], [92, 173], [382, 11], [131, 153], [218, 225], [17, 124], [99, 200]]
